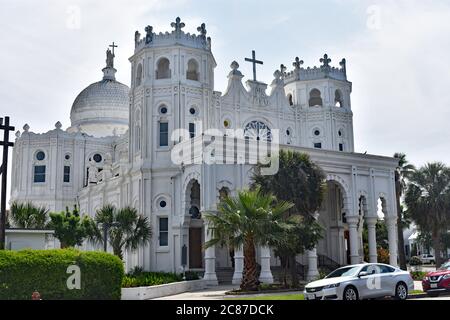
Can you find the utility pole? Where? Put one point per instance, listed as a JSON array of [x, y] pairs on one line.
[[6, 144]]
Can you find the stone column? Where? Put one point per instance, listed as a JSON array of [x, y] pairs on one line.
[[238, 265], [313, 271], [391, 223], [371, 226], [352, 222], [210, 262], [266, 273]]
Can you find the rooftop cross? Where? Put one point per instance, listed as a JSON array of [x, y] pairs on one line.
[[178, 25], [326, 61], [113, 45], [297, 63], [202, 30], [254, 62]]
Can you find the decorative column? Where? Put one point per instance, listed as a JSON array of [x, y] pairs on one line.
[[391, 223], [371, 226], [238, 265], [313, 271], [354, 242], [210, 262], [266, 273]]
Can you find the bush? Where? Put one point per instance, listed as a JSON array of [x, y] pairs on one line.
[[192, 275], [45, 271], [418, 275], [383, 255], [147, 279], [415, 261]]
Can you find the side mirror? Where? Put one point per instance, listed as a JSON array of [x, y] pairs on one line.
[[363, 274]]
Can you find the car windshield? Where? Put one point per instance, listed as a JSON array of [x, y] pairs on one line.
[[343, 272], [445, 266]]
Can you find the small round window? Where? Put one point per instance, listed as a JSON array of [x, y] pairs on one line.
[[67, 157], [226, 123], [40, 156], [163, 110], [288, 132], [98, 158], [192, 111], [317, 132], [340, 133], [163, 204]]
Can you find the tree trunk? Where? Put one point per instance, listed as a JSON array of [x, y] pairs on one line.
[[249, 279], [294, 276], [437, 245], [401, 242]]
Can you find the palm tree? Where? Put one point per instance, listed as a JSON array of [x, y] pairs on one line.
[[402, 173], [428, 200], [251, 219], [28, 216], [126, 229], [302, 182]]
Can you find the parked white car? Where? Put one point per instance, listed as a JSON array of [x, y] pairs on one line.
[[427, 258], [361, 281]]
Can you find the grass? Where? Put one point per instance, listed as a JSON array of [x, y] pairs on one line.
[[413, 292], [274, 297]]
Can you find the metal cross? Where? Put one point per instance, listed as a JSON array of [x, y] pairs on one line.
[[113, 45], [178, 25], [6, 144], [254, 62], [326, 61], [297, 63]]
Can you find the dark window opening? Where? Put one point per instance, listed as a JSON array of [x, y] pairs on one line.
[[318, 145], [67, 174], [39, 174], [163, 134]]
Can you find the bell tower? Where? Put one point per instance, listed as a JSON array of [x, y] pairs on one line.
[[172, 82], [322, 97]]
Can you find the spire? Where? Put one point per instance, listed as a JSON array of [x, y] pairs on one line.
[[109, 73]]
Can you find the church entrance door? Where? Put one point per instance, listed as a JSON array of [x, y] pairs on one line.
[[195, 248]]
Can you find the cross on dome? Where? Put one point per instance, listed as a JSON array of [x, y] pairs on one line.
[[326, 61], [297, 63], [254, 62]]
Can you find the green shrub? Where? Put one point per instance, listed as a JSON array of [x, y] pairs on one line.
[[147, 279], [192, 275], [415, 261], [418, 275], [45, 271]]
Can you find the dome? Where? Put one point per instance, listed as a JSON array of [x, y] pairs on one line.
[[102, 109]]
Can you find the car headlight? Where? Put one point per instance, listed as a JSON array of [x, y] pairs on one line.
[[330, 286], [447, 276]]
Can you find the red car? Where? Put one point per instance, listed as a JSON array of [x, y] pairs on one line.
[[438, 281]]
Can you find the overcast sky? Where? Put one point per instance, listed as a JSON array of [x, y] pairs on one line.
[[397, 56]]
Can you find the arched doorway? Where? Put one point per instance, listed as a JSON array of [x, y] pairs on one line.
[[195, 226]]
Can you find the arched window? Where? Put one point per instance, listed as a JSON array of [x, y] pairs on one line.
[[137, 125], [257, 130], [224, 193], [315, 98], [163, 69], [290, 99], [139, 75], [192, 70], [339, 102]]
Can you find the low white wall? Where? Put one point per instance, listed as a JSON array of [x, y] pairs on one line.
[[145, 293]]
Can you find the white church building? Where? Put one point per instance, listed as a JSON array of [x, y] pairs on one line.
[[118, 150]]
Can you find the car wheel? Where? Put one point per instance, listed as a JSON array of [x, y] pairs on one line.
[[401, 291], [350, 293]]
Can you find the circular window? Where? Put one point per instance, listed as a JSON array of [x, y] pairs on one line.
[[288, 132], [163, 204], [192, 111], [226, 123], [163, 110], [98, 158], [67, 157], [340, 133], [317, 132], [40, 156]]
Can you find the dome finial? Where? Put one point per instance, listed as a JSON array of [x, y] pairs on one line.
[[109, 73]]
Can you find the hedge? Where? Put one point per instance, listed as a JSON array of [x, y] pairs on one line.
[[45, 271], [147, 279]]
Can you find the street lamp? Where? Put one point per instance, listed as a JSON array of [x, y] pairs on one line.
[[106, 226]]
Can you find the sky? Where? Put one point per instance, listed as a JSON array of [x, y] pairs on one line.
[[396, 51]]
